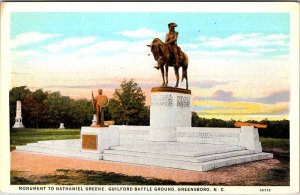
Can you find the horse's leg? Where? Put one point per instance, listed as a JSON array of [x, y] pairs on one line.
[[167, 70], [186, 78], [177, 75], [162, 70]]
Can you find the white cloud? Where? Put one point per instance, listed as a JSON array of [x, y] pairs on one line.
[[190, 46], [202, 38], [30, 37], [111, 46], [26, 53], [223, 53], [141, 33], [70, 42], [285, 56], [246, 40], [263, 50]]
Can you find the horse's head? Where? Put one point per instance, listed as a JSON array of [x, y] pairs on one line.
[[157, 49]]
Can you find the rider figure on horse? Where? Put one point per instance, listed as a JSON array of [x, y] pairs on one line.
[[171, 42]]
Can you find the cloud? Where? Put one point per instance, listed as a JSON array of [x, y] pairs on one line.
[[112, 46], [263, 50], [208, 83], [19, 73], [69, 43], [251, 40], [223, 53], [141, 33], [280, 96], [31, 37], [284, 56], [239, 108], [223, 95], [26, 53], [88, 86], [227, 96]]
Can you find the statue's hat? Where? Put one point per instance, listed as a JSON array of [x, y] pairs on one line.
[[172, 24]]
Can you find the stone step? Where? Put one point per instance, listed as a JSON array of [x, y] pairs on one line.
[[66, 152], [206, 166], [55, 146], [180, 157], [190, 150], [74, 142], [171, 163]]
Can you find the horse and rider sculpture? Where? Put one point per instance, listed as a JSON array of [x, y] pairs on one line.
[[169, 54]]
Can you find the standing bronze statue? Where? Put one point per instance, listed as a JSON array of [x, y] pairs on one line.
[[99, 103], [169, 54]]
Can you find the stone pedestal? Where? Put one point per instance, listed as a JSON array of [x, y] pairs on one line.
[[99, 139], [61, 126], [170, 108], [94, 121]]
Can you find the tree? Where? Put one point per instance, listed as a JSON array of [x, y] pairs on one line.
[[195, 119], [59, 109], [35, 109], [127, 106]]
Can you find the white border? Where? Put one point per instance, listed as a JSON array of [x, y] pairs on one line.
[[216, 7]]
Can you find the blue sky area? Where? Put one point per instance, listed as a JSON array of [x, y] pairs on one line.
[[191, 26], [238, 62]]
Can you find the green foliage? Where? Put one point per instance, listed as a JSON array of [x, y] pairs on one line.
[[283, 144], [128, 105], [203, 122], [275, 129], [42, 109], [34, 106]]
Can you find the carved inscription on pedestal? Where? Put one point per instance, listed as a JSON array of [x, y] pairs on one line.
[[183, 101], [162, 100], [89, 142]]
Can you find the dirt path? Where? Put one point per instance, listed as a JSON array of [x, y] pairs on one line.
[[29, 164]]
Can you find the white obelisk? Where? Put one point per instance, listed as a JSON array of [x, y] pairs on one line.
[[18, 119]]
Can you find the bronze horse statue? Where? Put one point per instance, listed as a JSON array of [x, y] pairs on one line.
[[165, 58]]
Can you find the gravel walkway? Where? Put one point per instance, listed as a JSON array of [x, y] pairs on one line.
[[39, 164]]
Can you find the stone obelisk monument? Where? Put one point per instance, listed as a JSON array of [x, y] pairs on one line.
[[18, 119]]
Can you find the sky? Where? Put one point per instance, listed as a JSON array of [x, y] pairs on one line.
[[238, 62]]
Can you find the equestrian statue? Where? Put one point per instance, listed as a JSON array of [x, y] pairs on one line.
[[167, 54]]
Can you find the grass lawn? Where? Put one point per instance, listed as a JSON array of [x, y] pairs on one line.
[[24, 136], [268, 143]]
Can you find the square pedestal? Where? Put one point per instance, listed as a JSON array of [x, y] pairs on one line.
[[98, 139]]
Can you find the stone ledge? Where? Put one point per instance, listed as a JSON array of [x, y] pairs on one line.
[[171, 89]]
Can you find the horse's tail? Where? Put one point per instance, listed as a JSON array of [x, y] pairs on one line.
[[184, 67]]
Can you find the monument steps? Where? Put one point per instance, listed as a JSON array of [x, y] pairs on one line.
[[188, 156], [177, 157], [177, 148], [74, 142], [62, 151], [179, 164], [54, 146]]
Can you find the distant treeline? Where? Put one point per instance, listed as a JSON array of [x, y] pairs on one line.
[[275, 129], [44, 109]]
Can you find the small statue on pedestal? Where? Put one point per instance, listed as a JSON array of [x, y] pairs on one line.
[[99, 103]]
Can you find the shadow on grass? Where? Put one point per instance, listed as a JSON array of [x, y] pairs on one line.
[[85, 177], [279, 176]]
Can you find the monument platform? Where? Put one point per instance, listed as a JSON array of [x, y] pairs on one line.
[[203, 151]]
